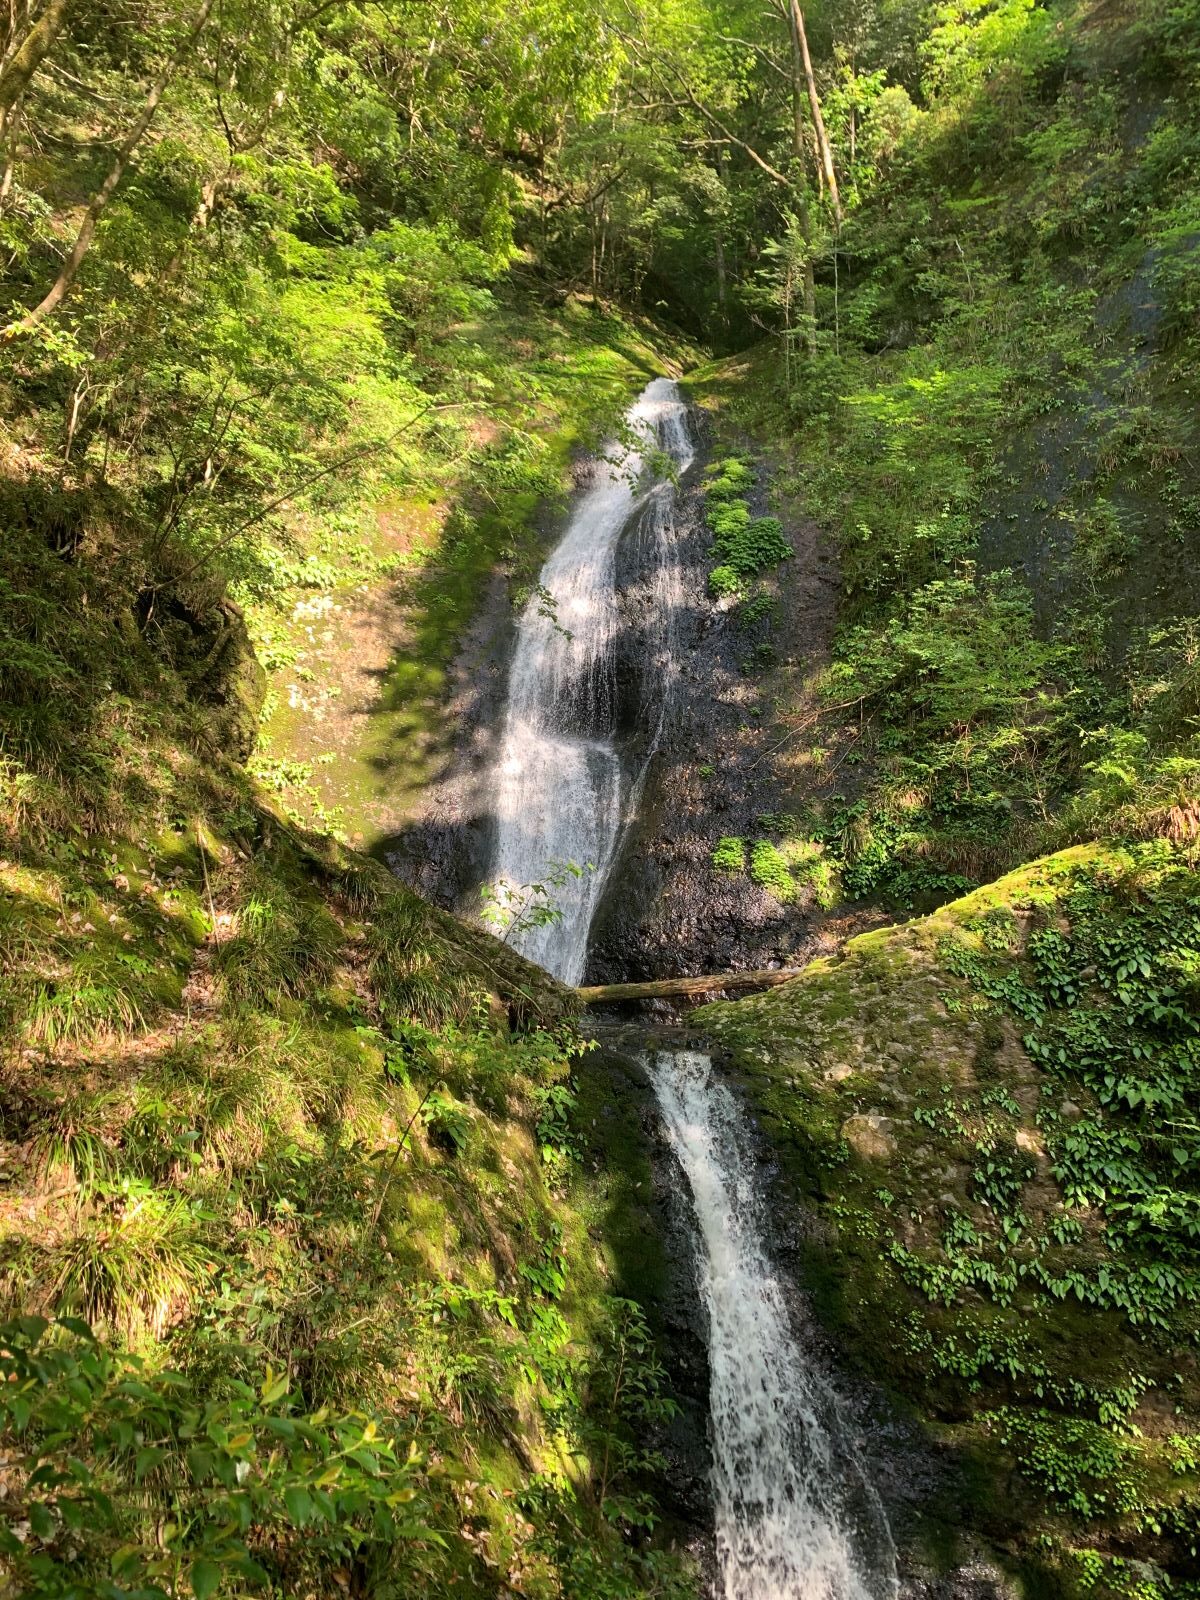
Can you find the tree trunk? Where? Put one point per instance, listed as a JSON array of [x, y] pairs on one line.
[[809, 288], [722, 290], [30, 54], [10, 124], [814, 103], [87, 229], [671, 988]]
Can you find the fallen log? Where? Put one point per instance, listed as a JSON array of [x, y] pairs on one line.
[[599, 994]]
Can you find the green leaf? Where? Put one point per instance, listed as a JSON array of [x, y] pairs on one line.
[[41, 1521], [145, 1460], [206, 1579], [77, 1326], [72, 1514], [299, 1504]]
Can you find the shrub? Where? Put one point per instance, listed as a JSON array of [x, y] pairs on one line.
[[728, 479], [724, 581], [747, 544], [770, 871], [133, 1481], [730, 855], [753, 546]]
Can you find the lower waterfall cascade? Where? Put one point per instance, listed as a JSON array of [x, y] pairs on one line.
[[796, 1517]]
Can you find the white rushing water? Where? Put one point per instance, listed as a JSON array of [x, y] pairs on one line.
[[796, 1517], [560, 792]]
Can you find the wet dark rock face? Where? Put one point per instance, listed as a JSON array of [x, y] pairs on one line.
[[667, 911], [706, 767]]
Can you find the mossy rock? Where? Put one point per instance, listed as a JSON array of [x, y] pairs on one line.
[[926, 1119]]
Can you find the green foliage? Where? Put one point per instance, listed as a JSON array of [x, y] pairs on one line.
[[284, 945], [769, 869], [556, 1106], [508, 908], [318, 1158], [785, 870], [725, 581], [752, 546], [728, 479], [447, 1120], [614, 1407], [746, 545], [969, 728], [133, 1479]]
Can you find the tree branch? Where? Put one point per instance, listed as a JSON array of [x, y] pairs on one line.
[[70, 268], [30, 54], [299, 488], [706, 112]]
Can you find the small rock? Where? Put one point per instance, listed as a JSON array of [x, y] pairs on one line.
[[868, 1136]]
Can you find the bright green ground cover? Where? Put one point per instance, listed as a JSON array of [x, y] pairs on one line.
[[357, 1303]]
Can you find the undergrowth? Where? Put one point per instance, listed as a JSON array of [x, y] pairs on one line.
[[997, 432], [302, 1265]]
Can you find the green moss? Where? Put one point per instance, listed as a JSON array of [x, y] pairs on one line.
[[729, 855]]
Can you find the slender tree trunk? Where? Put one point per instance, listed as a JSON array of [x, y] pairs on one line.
[[814, 104], [808, 285], [28, 57], [10, 127], [87, 230], [722, 290], [787, 329]]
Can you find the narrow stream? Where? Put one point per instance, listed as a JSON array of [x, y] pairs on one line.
[[796, 1518]]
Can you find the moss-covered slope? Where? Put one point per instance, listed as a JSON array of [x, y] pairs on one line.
[[305, 1285], [990, 1116]]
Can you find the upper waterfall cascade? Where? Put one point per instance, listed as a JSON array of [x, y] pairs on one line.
[[560, 792]]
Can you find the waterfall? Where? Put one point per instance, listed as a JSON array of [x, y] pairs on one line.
[[796, 1518], [561, 793]]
